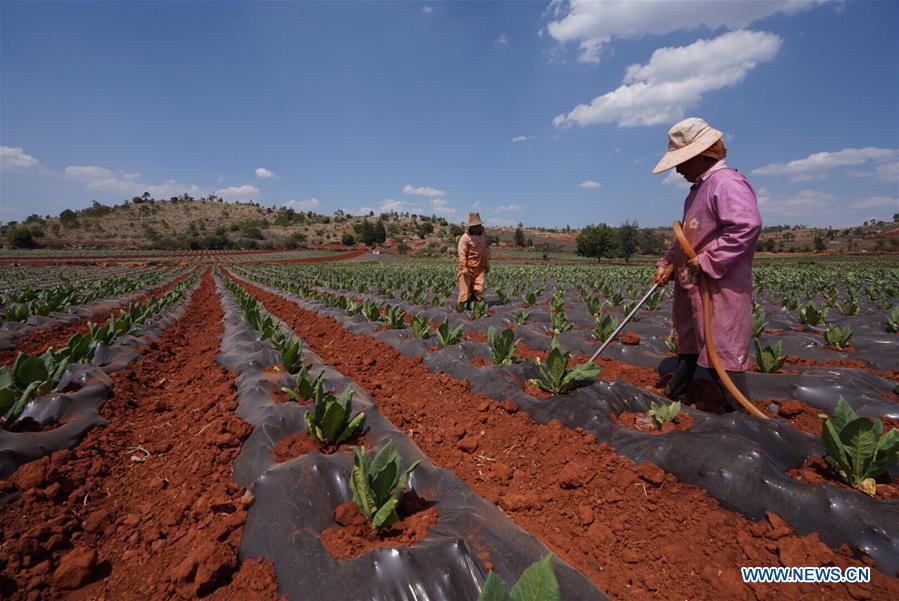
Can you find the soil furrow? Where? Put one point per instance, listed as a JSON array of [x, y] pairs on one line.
[[636, 531], [146, 507], [59, 335]]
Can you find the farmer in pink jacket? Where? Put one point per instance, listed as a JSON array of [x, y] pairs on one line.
[[721, 220]]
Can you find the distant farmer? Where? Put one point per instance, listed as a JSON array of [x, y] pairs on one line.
[[474, 261], [721, 221]]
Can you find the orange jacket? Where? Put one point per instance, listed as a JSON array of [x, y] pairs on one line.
[[474, 254]]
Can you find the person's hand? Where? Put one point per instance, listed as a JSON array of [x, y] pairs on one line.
[[694, 265], [662, 274]]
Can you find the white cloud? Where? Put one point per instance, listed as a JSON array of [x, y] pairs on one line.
[[589, 184], [676, 180], [675, 79], [820, 164], [104, 180], [307, 204], [436, 206], [522, 138], [888, 172], [244, 192], [422, 191], [87, 173], [512, 208], [8, 212], [441, 207], [263, 173], [876, 202], [427, 10], [502, 40], [16, 158], [592, 24]]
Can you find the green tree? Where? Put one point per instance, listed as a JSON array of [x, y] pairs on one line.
[[347, 239], [596, 241], [22, 237], [519, 237], [819, 243], [627, 239], [368, 234], [424, 228], [380, 232]]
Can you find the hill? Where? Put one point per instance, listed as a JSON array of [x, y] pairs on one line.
[[188, 223]]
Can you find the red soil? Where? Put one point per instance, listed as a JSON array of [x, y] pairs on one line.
[[481, 362], [352, 535], [801, 416], [815, 470], [850, 363], [59, 335], [146, 507], [633, 530], [301, 443], [629, 338], [328, 259], [643, 422]]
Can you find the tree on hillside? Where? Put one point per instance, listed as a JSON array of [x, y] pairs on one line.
[[368, 234], [595, 241], [627, 239], [519, 237], [380, 232]]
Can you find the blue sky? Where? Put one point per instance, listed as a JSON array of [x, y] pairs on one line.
[[548, 113]]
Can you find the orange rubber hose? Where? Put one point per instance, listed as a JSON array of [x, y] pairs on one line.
[[707, 327]]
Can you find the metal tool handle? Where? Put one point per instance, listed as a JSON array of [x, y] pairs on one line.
[[624, 323]]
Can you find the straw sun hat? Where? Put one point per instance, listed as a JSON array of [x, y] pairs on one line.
[[689, 138], [474, 219]]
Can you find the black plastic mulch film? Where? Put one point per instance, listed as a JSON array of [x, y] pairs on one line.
[[295, 501], [739, 459], [73, 407]]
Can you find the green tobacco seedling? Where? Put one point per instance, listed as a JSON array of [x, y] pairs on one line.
[[663, 413], [396, 317], [838, 336], [502, 345], [857, 448], [306, 386], [329, 420], [770, 358], [448, 336], [421, 326], [555, 377], [537, 583], [378, 483], [604, 326]]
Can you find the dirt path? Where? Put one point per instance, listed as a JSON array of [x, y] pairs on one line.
[[146, 507], [59, 335], [635, 531]]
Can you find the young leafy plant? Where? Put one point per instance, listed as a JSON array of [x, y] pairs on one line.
[[671, 341], [306, 385], [759, 323], [604, 326], [329, 420], [502, 345], [529, 298], [421, 326], [448, 336], [664, 413], [770, 358], [857, 448], [378, 483], [893, 320], [810, 315], [478, 310], [560, 322], [371, 311], [396, 317], [838, 336], [556, 377], [536, 583], [521, 318]]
